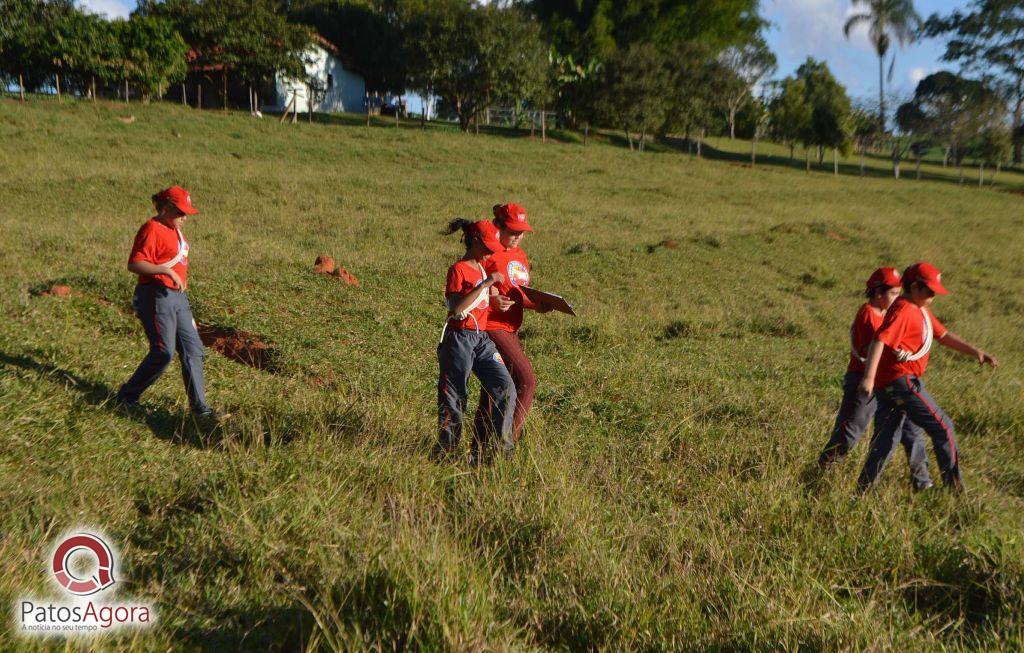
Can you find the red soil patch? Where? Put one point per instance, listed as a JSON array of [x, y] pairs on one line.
[[1015, 191], [57, 290], [668, 243], [834, 236], [324, 264], [345, 276], [327, 380], [240, 346]]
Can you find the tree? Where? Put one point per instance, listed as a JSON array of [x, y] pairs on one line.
[[864, 129], [251, 39], [371, 34], [955, 111], [41, 40], [489, 53], [428, 31], [790, 113], [913, 135], [693, 73], [154, 54], [988, 39], [599, 28], [745, 66], [830, 109], [886, 20], [633, 91], [994, 148], [575, 88]]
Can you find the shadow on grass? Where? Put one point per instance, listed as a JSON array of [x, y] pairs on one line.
[[164, 424], [879, 166], [270, 629], [436, 126]]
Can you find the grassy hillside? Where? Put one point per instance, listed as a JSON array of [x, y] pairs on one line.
[[665, 496]]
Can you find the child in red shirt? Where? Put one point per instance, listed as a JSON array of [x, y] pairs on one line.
[[894, 365], [856, 410], [507, 307], [159, 257], [465, 348]]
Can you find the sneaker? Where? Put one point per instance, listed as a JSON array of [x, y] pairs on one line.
[[443, 454], [213, 417], [128, 408], [921, 487]]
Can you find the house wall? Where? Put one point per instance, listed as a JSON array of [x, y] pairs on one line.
[[347, 91]]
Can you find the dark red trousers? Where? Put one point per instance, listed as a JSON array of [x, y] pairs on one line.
[[519, 367]]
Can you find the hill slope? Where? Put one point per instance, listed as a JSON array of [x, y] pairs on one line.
[[665, 495]]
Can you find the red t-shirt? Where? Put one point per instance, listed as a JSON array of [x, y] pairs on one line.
[[463, 278], [158, 244], [862, 332], [903, 328], [513, 265]]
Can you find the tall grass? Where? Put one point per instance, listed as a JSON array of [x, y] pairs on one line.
[[664, 497]]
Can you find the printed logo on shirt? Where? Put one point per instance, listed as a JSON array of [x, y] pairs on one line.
[[518, 275]]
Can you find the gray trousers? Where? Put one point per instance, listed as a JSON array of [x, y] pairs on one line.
[[461, 353], [167, 319], [855, 413], [906, 399]]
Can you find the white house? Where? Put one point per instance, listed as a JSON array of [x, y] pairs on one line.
[[342, 88]]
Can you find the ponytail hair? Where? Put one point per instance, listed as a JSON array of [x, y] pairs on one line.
[[459, 224]]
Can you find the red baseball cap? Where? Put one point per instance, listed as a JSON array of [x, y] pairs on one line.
[[513, 216], [883, 277], [927, 274], [179, 197], [488, 234]]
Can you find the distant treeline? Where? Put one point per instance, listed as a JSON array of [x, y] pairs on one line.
[[646, 67]]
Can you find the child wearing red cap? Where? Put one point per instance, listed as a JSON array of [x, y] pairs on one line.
[[159, 257], [465, 348], [856, 410], [506, 315], [895, 363]]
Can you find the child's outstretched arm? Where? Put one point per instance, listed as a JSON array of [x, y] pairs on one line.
[[955, 343]]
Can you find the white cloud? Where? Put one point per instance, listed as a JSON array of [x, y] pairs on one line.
[[815, 27], [916, 75], [110, 8]]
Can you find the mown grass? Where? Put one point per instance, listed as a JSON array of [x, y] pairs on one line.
[[664, 497]]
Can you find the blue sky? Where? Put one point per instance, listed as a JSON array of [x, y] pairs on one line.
[[801, 28]]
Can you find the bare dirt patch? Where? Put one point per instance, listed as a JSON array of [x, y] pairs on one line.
[[668, 243], [325, 265], [240, 346], [57, 290]]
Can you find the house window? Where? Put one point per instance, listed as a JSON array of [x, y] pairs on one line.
[[330, 81]]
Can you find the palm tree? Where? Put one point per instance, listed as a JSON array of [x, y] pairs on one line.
[[886, 20]]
